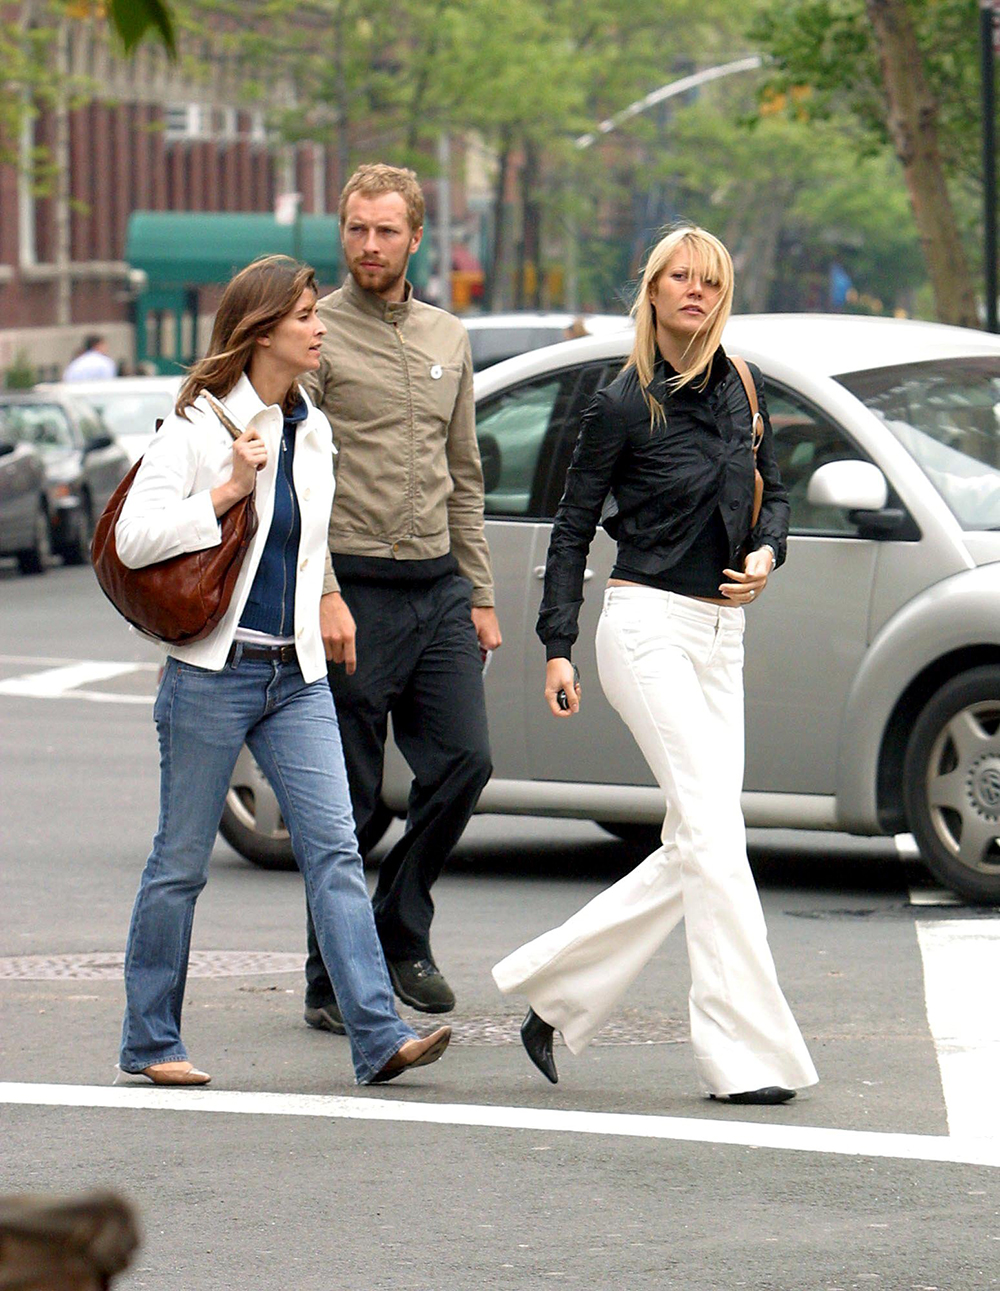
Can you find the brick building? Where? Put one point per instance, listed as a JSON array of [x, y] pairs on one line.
[[128, 135]]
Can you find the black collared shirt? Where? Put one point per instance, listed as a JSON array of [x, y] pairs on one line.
[[664, 481]]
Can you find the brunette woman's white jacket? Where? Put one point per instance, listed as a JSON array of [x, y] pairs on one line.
[[169, 511]]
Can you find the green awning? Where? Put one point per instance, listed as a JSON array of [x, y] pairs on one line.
[[180, 249]]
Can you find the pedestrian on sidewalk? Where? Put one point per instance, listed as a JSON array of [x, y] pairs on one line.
[[671, 440], [259, 677], [411, 588], [93, 363]]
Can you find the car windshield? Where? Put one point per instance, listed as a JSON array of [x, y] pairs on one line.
[[946, 414], [494, 344], [133, 412], [43, 424]]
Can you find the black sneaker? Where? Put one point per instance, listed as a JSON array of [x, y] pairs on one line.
[[326, 1018], [419, 983]]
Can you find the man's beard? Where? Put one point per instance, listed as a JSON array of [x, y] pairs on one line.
[[383, 279]]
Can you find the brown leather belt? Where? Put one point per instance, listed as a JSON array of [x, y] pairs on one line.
[[269, 654]]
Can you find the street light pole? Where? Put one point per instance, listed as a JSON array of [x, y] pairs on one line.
[[988, 32]]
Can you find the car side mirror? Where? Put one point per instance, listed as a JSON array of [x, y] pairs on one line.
[[489, 455], [849, 485], [99, 441]]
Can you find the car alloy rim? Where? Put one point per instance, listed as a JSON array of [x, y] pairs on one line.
[[252, 802], [963, 787]]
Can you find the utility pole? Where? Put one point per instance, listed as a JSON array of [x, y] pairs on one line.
[[444, 221], [988, 41]]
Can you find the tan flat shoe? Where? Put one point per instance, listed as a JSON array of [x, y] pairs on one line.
[[418, 1052], [166, 1073]]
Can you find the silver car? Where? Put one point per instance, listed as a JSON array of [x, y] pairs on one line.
[[873, 660]]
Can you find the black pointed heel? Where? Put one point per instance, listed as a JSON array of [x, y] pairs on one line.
[[536, 1036]]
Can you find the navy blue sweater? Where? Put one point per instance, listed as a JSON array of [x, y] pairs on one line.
[[271, 605]]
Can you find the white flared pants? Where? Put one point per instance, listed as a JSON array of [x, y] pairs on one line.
[[673, 668]]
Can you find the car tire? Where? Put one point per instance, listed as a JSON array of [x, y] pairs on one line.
[[77, 550], [951, 785], [252, 823], [37, 558]]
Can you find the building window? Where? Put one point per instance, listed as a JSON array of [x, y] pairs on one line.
[[184, 121]]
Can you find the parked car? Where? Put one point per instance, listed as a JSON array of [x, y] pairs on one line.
[[873, 659], [83, 464], [496, 337], [24, 515], [129, 406]]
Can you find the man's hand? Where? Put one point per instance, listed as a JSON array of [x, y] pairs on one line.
[[484, 620], [336, 625]]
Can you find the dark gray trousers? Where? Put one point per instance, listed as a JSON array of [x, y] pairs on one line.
[[418, 659]]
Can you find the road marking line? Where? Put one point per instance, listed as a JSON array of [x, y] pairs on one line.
[[934, 897], [52, 661], [971, 1150], [960, 962], [62, 683]]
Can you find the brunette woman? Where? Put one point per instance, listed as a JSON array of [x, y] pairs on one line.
[[259, 677], [671, 439]]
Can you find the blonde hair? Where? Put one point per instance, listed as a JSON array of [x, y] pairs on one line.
[[375, 179], [709, 260]]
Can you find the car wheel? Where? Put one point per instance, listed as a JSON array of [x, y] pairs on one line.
[[951, 784], [252, 823], [77, 550], [37, 558]]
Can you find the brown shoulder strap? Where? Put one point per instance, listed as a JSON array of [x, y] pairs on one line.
[[223, 416], [756, 420]]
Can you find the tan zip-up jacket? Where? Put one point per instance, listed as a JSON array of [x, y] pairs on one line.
[[395, 380]]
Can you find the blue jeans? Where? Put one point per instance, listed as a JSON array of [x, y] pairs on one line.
[[203, 718]]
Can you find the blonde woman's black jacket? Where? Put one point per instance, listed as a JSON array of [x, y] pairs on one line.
[[664, 481]]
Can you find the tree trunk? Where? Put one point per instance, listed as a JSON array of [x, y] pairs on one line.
[[494, 294], [529, 272], [912, 122]]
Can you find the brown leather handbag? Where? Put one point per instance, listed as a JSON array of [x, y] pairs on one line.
[[757, 429], [179, 600]]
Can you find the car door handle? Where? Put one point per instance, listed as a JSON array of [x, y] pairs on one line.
[[588, 574]]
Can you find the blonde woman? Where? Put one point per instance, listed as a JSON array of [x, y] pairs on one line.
[[671, 440]]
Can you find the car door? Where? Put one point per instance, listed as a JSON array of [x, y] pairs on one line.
[[595, 747], [514, 427], [807, 634]]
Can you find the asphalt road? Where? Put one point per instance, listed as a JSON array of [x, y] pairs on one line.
[[474, 1172]]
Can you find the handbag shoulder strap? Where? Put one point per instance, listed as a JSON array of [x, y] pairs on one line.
[[750, 389], [222, 415]]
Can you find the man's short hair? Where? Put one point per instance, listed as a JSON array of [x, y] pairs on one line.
[[92, 340], [375, 179]]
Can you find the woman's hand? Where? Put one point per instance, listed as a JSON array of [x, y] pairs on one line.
[[559, 676], [746, 587], [249, 457]]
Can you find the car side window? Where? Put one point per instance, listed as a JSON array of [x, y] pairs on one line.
[[586, 381], [512, 428], [44, 425], [804, 440]]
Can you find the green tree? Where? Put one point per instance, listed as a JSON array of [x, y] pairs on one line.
[[902, 72]]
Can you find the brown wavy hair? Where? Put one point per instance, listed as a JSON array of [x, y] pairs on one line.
[[254, 301], [709, 259]]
